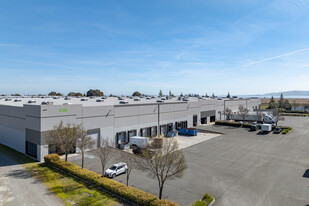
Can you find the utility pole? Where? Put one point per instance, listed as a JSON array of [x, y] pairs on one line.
[[158, 129]]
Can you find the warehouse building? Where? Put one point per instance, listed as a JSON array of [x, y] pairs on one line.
[[24, 121]]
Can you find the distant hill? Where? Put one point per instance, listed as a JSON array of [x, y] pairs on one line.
[[288, 93]]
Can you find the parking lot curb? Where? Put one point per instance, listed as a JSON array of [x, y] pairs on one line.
[[213, 201]]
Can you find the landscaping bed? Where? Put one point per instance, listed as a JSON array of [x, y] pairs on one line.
[[205, 201], [132, 194]]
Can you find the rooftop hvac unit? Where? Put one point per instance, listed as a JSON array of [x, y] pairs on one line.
[[103, 97], [55, 97], [99, 100], [8, 99], [17, 100], [83, 99], [148, 98], [160, 101], [123, 102], [67, 98], [163, 98], [47, 103], [31, 101], [137, 99], [67, 103], [185, 100], [92, 97], [120, 98]]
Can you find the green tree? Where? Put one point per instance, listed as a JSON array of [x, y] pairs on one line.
[[94, 92], [228, 95], [54, 94], [160, 93], [136, 93], [170, 93], [272, 103], [181, 95], [73, 94]]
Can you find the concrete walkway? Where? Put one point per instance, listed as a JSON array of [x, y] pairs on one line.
[[17, 187]]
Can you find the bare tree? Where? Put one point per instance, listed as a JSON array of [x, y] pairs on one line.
[[277, 115], [130, 160], [259, 115], [83, 143], [243, 112], [104, 153], [227, 112], [165, 163], [64, 137]]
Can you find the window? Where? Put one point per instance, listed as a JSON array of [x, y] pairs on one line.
[[31, 149]]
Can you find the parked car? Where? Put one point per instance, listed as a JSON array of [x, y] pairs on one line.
[[277, 130], [254, 127], [116, 169]]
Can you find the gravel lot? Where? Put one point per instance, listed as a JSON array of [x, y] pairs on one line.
[[238, 168]]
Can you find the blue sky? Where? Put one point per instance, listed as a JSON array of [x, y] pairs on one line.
[[241, 47]]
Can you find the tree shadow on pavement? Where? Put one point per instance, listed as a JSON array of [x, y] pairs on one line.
[[19, 174]]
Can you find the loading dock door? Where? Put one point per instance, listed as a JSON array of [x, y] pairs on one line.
[[95, 136], [194, 120], [121, 137], [204, 120], [163, 129], [212, 118], [153, 131], [170, 127], [131, 133]]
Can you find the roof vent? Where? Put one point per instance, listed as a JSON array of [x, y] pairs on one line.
[[123, 102]]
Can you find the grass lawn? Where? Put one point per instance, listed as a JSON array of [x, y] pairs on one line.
[[264, 106], [70, 190]]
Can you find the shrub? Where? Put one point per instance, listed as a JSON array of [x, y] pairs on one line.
[[199, 203], [130, 193], [207, 198], [233, 124]]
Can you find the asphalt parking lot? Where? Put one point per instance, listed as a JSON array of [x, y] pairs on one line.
[[238, 168]]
